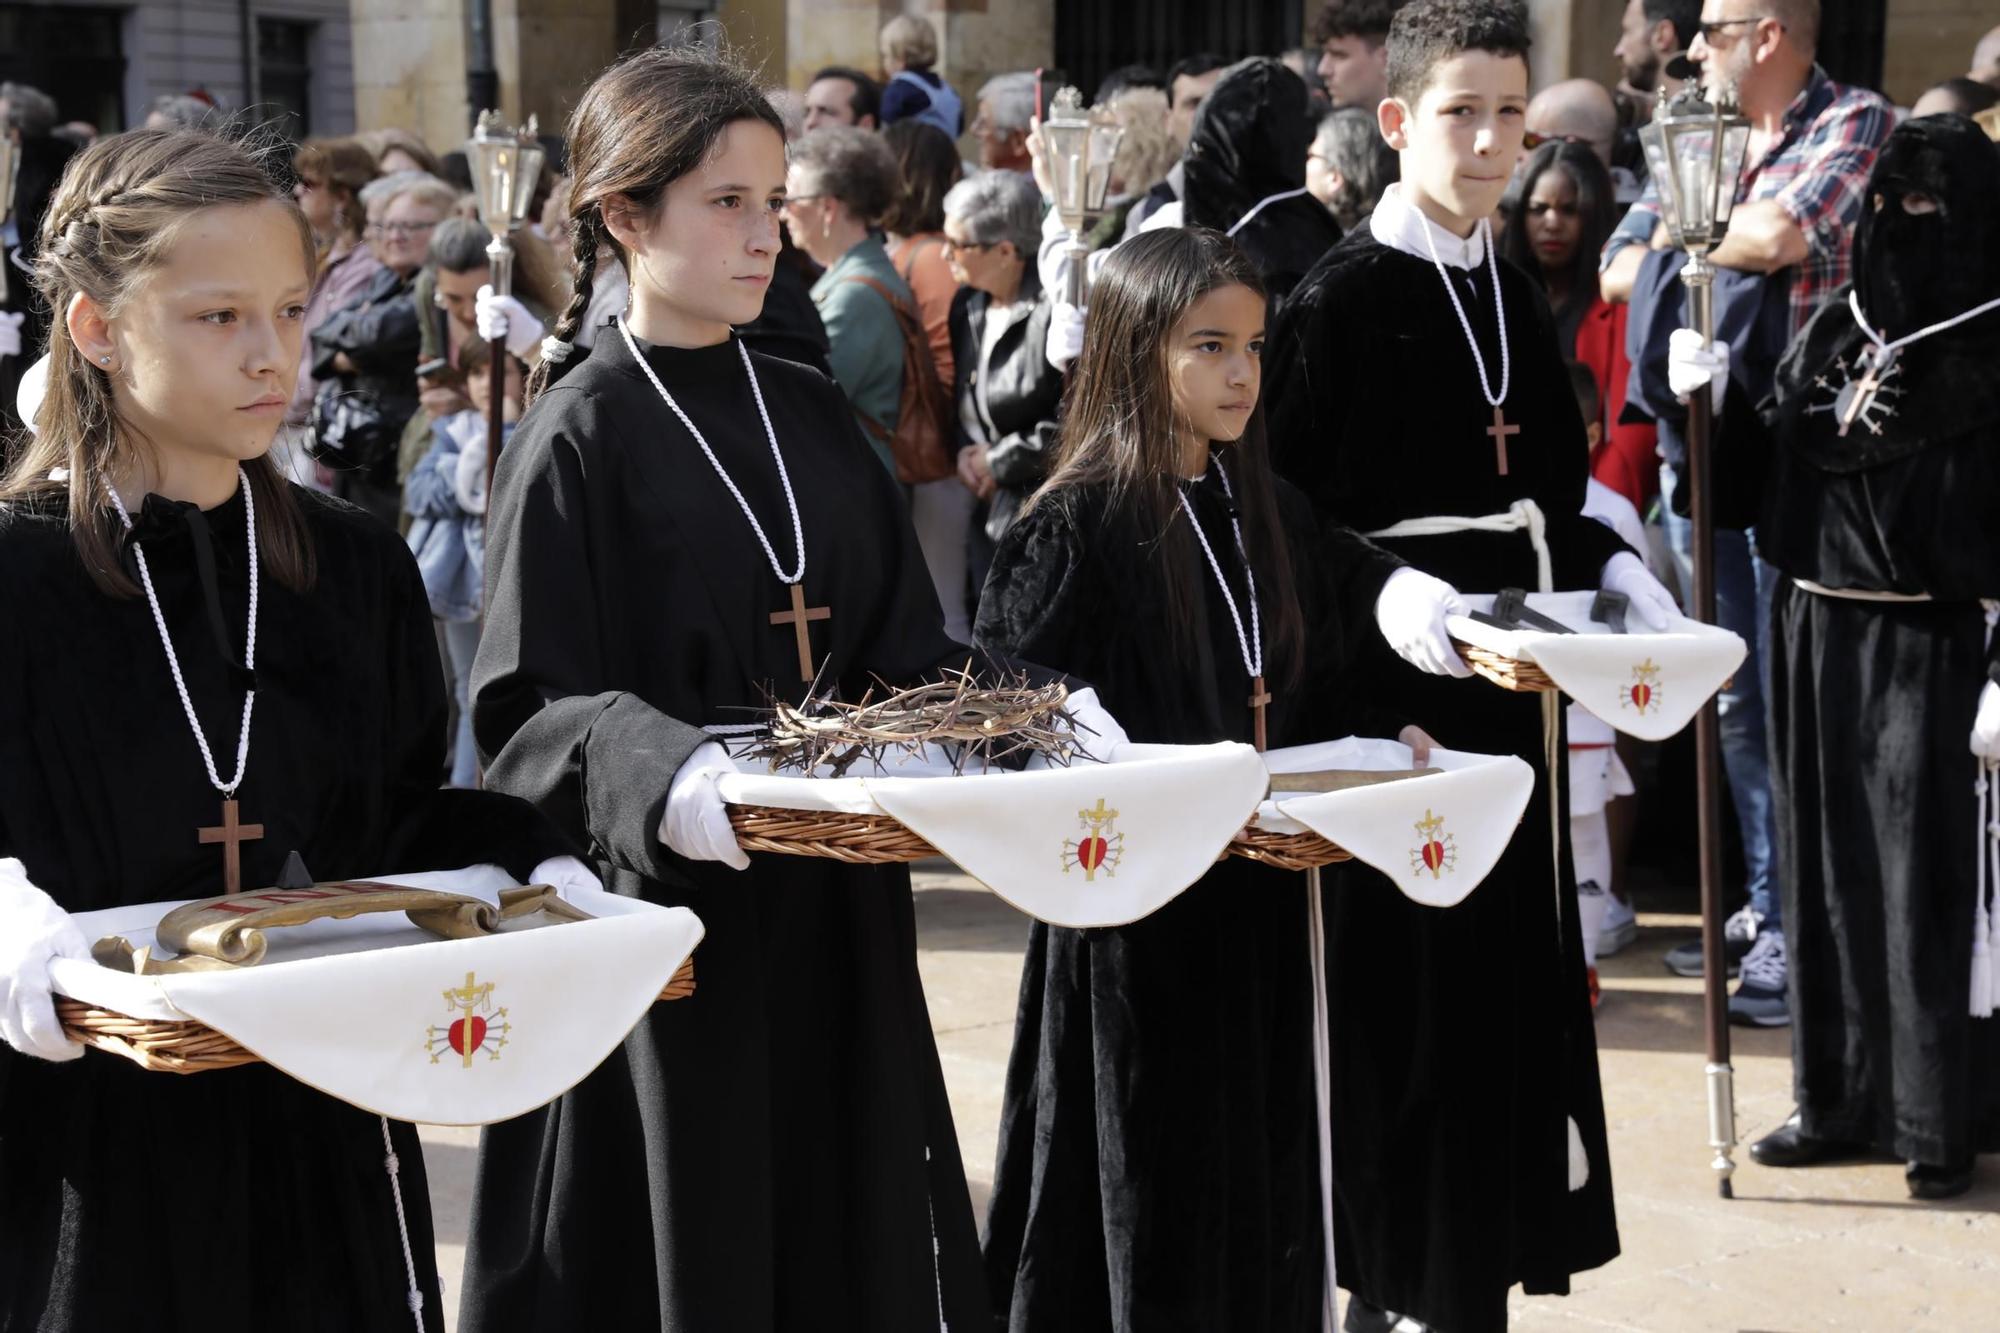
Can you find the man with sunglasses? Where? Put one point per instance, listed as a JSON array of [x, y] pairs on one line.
[[1812, 145]]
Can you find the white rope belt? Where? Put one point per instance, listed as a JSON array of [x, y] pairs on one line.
[[1861, 594]]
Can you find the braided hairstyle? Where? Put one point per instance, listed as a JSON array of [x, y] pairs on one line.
[[122, 204], [642, 125]]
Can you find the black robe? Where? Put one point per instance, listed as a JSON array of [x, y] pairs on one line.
[[1449, 1136], [776, 1152], [1879, 866], [1159, 1160], [235, 1199]]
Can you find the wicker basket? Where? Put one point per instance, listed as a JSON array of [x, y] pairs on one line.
[[196, 1048], [1509, 673], [879, 839]]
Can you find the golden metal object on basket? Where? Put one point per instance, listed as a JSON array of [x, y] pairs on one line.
[[1509, 673], [195, 1048], [1344, 779]]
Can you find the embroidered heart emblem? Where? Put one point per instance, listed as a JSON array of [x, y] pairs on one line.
[[467, 1034], [1433, 857], [1090, 853], [1642, 694]]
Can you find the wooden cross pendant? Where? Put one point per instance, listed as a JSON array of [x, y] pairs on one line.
[[1500, 430], [231, 835], [1259, 696], [1855, 398], [797, 618]]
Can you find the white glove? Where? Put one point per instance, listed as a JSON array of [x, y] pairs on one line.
[[10, 331], [696, 823], [566, 875], [1690, 365], [1986, 725], [34, 388], [1098, 731], [33, 930], [505, 317], [1647, 598], [1065, 342], [1410, 612]]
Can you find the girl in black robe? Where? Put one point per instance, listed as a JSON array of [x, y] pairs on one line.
[[1159, 1164], [779, 1154], [1880, 872], [235, 1199]]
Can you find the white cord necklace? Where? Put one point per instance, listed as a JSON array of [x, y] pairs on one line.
[[228, 789], [1869, 389], [1885, 349], [798, 534], [1499, 430], [1252, 643]]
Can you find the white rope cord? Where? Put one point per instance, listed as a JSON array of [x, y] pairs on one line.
[[228, 789], [394, 1166], [784, 477], [1499, 311], [1251, 644], [1884, 349], [1261, 205]]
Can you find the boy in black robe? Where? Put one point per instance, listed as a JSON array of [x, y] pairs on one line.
[[1469, 1148], [1880, 509]]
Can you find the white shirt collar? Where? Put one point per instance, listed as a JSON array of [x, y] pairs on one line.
[[1400, 225]]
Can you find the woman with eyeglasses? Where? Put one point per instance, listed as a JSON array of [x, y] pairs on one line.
[[365, 356], [331, 174]]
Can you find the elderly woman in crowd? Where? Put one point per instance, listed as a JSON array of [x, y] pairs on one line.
[[1005, 120], [365, 356], [1349, 165], [331, 174], [841, 181], [1006, 389]]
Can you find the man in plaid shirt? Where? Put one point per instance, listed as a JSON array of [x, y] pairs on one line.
[[1812, 145]]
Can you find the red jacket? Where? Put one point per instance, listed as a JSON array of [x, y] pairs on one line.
[[1626, 460]]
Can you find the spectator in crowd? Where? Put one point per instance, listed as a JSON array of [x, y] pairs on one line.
[[915, 91], [1353, 59], [1579, 111], [1304, 62], [1960, 96], [1349, 165], [609, 287], [331, 174], [839, 95], [1146, 153], [941, 510], [1128, 76], [1812, 144], [375, 197], [445, 498], [1188, 85], [1651, 33], [365, 357], [1562, 212], [1006, 114], [187, 111], [28, 117], [399, 150], [1006, 390], [840, 183]]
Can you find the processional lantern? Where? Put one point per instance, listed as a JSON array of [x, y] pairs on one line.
[[1695, 151], [1081, 147], [506, 166]]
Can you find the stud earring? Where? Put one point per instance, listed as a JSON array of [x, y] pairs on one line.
[[104, 360]]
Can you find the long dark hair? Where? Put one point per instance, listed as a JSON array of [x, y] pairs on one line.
[[646, 122], [122, 204], [928, 161], [1596, 208], [1119, 431]]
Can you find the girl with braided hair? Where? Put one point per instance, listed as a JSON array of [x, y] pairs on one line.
[[140, 519], [681, 530]]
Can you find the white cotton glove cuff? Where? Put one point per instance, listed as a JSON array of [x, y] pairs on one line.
[[33, 930], [1065, 341], [1096, 728], [10, 330], [505, 317], [1648, 598], [1691, 365], [1986, 726], [696, 824], [567, 875], [1410, 612]]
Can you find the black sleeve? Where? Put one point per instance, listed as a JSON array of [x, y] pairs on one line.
[[379, 338], [596, 760], [433, 827]]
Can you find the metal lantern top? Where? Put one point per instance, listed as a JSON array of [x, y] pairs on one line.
[[1081, 145], [1695, 151], [506, 164]]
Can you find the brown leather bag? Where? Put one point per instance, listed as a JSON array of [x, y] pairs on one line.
[[921, 442]]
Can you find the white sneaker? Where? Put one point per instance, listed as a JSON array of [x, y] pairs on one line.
[[1621, 927]]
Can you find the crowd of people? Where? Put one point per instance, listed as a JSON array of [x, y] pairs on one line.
[[1316, 274]]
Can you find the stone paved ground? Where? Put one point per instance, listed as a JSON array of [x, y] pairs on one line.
[[1830, 1248]]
